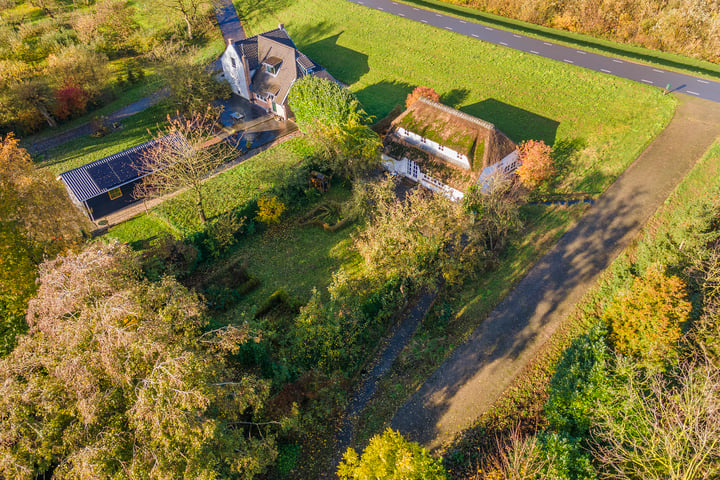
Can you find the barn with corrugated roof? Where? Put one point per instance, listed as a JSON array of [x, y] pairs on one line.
[[107, 185]]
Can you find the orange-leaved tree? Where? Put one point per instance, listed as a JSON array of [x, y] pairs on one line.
[[536, 163], [421, 91], [645, 321]]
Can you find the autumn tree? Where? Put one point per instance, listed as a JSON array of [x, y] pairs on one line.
[[421, 91], [80, 66], [119, 378], [37, 220], [332, 117], [645, 321], [190, 11], [496, 209], [35, 93], [193, 85], [424, 237], [536, 163], [187, 150], [390, 457]]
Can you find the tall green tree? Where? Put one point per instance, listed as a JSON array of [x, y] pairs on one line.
[[118, 378], [333, 118]]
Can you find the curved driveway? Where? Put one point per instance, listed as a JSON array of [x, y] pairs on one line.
[[697, 87]]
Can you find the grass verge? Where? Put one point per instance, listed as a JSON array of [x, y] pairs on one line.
[[667, 60]]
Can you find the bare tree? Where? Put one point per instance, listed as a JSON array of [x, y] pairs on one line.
[[189, 10], [187, 150], [662, 427], [519, 457]]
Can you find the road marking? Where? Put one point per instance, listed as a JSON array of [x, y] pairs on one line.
[[416, 9], [646, 81], [449, 28], [703, 81], [400, 14], [488, 28], [474, 35], [617, 61], [658, 71], [438, 15], [548, 44], [581, 52], [516, 36], [380, 8], [503, 43], [463, 21], [693, 93], [423, 21], [606, 71], [568, 61], [533, 51]]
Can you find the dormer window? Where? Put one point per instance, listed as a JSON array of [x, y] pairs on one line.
[[272, 65], [232, 59]]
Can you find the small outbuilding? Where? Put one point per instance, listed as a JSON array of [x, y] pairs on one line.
[[105, 186]]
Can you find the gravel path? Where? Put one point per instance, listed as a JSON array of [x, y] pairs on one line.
[[478, 371], [399, 337], [44, 145]]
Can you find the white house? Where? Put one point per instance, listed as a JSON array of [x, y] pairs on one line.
[[263, 68], [446, 150]]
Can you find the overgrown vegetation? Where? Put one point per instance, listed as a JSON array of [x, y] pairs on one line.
[[632, 398]]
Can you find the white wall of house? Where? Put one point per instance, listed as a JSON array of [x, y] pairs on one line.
[[506, 166], [434, 148], [408, 168], [235, 75]]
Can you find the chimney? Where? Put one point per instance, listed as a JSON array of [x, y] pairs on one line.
[[281, 26], [230, 41]]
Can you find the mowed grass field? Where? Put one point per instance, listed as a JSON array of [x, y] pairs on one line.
[[602, 121]]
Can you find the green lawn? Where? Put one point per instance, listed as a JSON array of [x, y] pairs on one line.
[[670, 61], [601, 122], [88, 149], [225, 192]]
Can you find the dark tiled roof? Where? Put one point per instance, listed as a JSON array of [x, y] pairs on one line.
[[276, 48], [249, 46], [103, 175], [305, 62]]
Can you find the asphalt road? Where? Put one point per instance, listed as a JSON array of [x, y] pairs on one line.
[[695, 86]]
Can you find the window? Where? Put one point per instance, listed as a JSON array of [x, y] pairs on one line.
[[115, 193], [271, 69], [232, 59]]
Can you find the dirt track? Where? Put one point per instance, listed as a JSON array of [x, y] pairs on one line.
[[478, 371]]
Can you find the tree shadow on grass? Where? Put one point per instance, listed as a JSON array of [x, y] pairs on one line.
[[455, 97], [380, 98], [517, 123]]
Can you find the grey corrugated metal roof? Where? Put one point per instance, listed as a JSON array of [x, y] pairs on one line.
[[122, 167]]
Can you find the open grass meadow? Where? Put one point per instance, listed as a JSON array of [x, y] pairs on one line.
[[601, 123]]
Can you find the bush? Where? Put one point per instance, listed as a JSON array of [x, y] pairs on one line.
[[421, 91], [390, 457], [168, 256], [645, 321], [581, 380], [269, 210], [536, 163]]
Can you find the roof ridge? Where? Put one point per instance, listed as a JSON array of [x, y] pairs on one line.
[[458, 113]]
